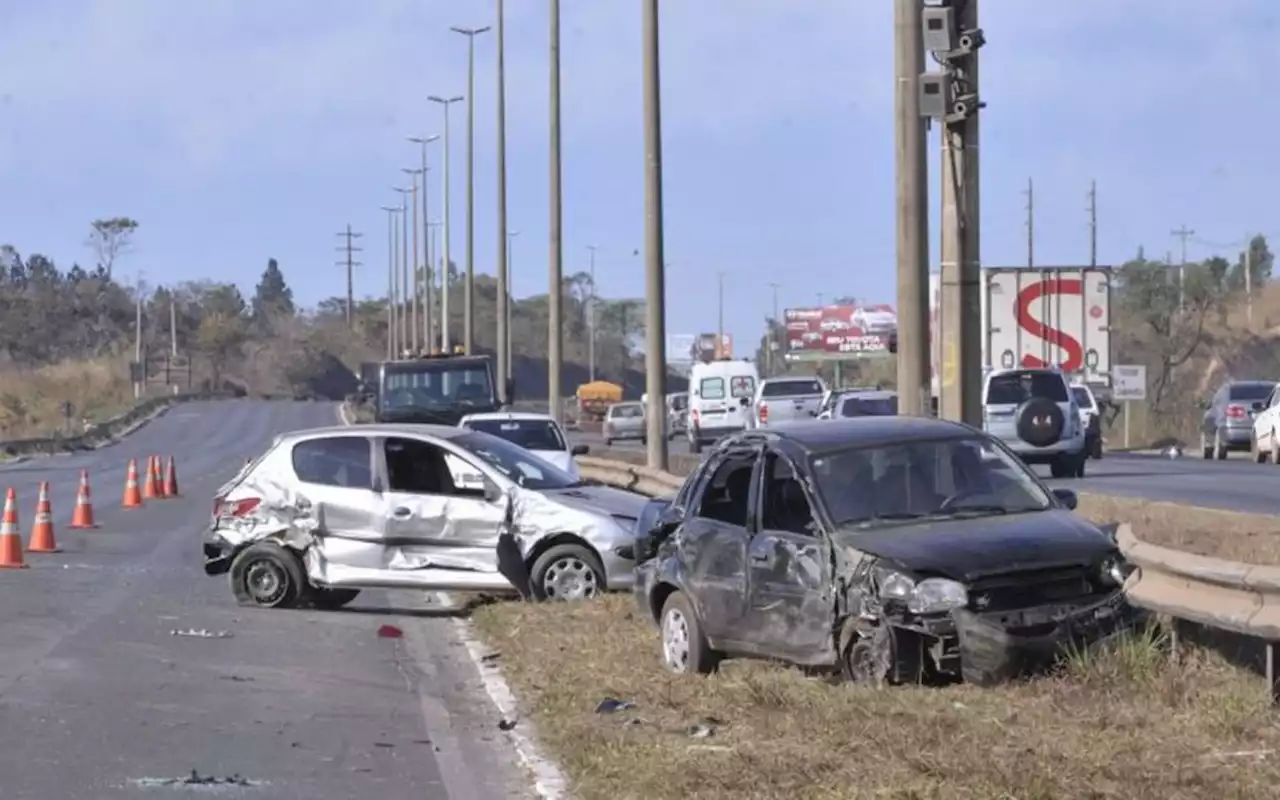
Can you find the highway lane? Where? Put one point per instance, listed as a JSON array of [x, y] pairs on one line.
[[1237, 484], [99, 699]]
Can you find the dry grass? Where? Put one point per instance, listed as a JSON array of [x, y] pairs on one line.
[[31, 399], [1252, 538], [1124, 723]]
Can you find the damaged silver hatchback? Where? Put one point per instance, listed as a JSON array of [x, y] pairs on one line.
[[325, 513], [895, 549]]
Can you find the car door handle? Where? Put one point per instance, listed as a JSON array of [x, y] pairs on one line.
[[402, 513]]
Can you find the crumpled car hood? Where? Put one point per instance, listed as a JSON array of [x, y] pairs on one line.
[[617, 502]]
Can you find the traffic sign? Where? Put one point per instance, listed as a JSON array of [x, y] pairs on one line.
[[1128, 382]]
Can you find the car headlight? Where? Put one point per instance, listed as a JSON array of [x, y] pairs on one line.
[[1113, 571], [929, 596]]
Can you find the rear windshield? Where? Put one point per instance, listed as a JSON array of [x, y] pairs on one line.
[[1251, 391], [626, 412], [1012, 388], [869, 407], [1082, 396], [787, 388]]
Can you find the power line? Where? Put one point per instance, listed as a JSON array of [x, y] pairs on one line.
[[350, 263]]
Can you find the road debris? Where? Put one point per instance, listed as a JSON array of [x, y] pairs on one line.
[[202, 633], [389, 632], [196, 781], [611, 705]]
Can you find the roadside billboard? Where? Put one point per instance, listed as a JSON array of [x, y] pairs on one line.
[[840, 332], [681, 348], [705, 349]]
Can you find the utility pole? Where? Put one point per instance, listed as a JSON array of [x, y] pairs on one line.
[[396, 288], [504, 278], [139, 385], [413, 262], [511, 301], [555, 292], [406, 329], [350, 263], [1184, 233], [914, 353], [1093, 223], [952, 96], [1031, 223], [468, 296], [446, 344], [655, 350], [591, 317], [428, 279], [391, 280], [774, 346], [720, 314], [173, 343]]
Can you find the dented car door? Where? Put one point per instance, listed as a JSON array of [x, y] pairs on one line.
[[433, 520], [788, 612]]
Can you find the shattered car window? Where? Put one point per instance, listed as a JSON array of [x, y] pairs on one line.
[[531, 434], [517, 464], [881, 485], [338, 461]]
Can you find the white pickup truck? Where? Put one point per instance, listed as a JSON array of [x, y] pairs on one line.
[[788, 400]]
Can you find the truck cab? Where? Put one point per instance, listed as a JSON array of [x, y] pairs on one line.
[[438, 389]]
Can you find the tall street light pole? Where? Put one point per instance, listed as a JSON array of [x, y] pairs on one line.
[[468, 301], [446, 344], [414, 280], [391, 280], [428, 279], [511, 300], [504, 278], [433, 290], [405, 221], [555, 292], [655, 350], [591, 316]]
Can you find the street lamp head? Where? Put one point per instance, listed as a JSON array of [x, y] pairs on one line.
[[444, 102], [470, 31], [410, 171], [513, 233], [394, 209], [423, 139]]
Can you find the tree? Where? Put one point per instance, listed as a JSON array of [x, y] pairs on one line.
[[272, 297], [111, 238], [1260, 260]]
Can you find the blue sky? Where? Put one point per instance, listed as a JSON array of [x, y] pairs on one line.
[[235, 131]]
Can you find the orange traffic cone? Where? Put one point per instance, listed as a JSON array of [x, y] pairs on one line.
[[132, 494], [149, 482], [42, 540], [82, 517], [171, 480], [157, 476], [10, 539]]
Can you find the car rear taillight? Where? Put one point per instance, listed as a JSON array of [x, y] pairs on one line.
[[236, 508], [1237, 412], [764, 413]]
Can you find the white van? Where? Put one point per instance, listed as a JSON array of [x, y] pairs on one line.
[[720, 395]]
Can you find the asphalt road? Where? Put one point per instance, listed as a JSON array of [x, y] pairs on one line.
[[100, 699], [1237, 484]]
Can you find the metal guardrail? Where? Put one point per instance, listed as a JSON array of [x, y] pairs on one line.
[[104, 432]]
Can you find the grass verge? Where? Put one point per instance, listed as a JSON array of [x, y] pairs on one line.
[[1126, 722], [31, 399], [1251, 538]]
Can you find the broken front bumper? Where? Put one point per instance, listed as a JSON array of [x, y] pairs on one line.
[[994, 648]]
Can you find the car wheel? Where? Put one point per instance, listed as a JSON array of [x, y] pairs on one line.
[[331, 599], [1080, 464], [1219, 447], [567, 572], [1097, 448], [685, 649], [1058, 468], [268, 576]]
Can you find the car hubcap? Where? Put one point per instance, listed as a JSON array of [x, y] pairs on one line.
[[675, 641], [570, 579], [265, 582]]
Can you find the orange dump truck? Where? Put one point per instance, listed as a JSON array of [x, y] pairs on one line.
[[595, 398]]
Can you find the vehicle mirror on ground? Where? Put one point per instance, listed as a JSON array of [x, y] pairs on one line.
[[1067, 497], [580, 450]]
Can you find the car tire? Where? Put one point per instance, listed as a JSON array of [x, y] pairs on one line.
[[333, 599], [695, 446], [685, 649], [1259, 457], [268, 575], [567, 572], [1080, 464]]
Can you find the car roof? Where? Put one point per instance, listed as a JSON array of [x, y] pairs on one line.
[[813, 435], [378, 429], [513, 416]]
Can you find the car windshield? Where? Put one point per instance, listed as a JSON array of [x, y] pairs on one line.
[[1013, 388], [888, 484], [788, 388], [436, 384], [1251, 391], [516, 463], [1082, 396], [531, 434], [869, 406]]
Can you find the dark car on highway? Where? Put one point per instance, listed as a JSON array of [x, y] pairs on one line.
[[897, 549], [1228, 416]]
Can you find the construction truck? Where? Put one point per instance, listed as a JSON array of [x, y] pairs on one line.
[[434, 389], [595, 398]]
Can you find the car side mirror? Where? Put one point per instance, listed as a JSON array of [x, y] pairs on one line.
[[580, 450], [492, 493], [1067, 498]]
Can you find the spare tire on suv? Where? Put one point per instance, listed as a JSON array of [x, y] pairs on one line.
[[1040, 422]]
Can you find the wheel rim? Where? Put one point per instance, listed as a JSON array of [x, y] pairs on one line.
[[266, 582], [570, 579], [675, 640]]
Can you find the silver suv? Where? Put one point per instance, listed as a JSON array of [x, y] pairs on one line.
[[1034, 413]]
